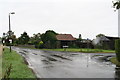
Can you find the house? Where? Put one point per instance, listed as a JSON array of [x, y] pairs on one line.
[[65, 40], [106, 42], [112, 41], [84, 43]]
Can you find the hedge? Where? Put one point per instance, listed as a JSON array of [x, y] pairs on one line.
[[117, 49]]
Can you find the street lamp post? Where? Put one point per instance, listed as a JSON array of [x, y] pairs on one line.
[[87, 51], [87, 44], [10, 29]]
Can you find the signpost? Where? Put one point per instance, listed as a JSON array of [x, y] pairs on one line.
[[3, 42], [65, 47]]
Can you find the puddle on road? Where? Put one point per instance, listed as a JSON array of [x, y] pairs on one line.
[[102, 58], [23, 53], [34, 53], [49, 58], [61, 57], [47, 67], [46, 62], [73, 54], [97, 55], [105, 58]]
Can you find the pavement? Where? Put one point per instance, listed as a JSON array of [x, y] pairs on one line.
[[1, 50]]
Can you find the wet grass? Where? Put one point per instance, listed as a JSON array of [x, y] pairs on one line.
[[19, 68], [114, 60], [83, 50]]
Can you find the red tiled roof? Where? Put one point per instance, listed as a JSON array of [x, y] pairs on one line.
[[65, 37]]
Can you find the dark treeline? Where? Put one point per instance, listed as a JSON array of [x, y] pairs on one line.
[[44, 40]]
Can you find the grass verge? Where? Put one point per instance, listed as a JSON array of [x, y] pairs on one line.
[[0, 67], [19, 68], [83, 50], [114, 60]]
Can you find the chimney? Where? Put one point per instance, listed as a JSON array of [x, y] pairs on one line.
[[80, 36]]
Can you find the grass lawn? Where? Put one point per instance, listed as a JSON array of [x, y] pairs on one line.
[[0, 67], [19, 68], [114, 60], [83, 50]]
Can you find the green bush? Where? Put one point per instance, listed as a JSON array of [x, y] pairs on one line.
[[39, 45], [117, 49]]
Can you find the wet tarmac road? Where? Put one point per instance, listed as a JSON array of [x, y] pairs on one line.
[[52, 64]]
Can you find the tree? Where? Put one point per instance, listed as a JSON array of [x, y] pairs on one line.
[[116, 4], [117, 49], [49, 39], [100, 35], [35, 39], [40, 44], [24, 38]]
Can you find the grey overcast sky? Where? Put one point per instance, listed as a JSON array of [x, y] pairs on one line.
[[85, 17]]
